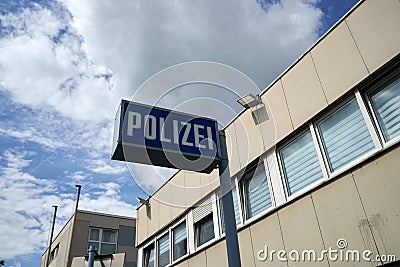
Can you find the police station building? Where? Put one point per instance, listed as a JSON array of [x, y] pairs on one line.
[[324, 188]]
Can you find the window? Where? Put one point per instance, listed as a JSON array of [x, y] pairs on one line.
[[54, 253], [163, 251], [300, 163], [345, 136], [204, 230], [385, 102], [148, 258], [105, 240], [256, 192], [235, 207], [180, 241]]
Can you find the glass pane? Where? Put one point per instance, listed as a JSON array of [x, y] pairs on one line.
[[205, 229], [163, 251], [386, 104], [180, 241], [300, 163], [149, 256], [107, 248], [257, 193], [235, 206], [345, 135], [95, 244], [109, 236], [94, 234]]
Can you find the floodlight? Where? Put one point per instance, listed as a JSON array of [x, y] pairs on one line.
[[249, 101]]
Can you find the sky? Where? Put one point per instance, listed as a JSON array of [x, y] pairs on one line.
[[65, 65]]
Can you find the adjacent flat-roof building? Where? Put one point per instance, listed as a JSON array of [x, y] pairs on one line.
[[319, 170], [113, 236]]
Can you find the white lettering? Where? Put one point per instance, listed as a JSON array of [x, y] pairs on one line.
[[134, 122], [150, 127], [367, 255], [263, 251], [197, 135], [176, 131], [162, 132], [282, 255], [294, 255], [186, 134], [210, 140]]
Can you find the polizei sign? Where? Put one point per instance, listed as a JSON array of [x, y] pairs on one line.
[[161, 137]]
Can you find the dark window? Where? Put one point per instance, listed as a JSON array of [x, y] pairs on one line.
[[180, 241], [204, 230]]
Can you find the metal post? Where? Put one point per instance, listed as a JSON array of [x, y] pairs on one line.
[[77, 196], [92, 254], [51, 236], [232, 244]]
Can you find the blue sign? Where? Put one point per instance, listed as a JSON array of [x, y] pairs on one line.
[[161, 137]]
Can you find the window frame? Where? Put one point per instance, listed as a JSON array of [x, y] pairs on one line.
[[197, 232], [366, 95], [54, 253], [148, 244], [192, 234], [310, 127], [240, 208], [156, 246], [172, 228], [100, 239], [371, 130], [242, 192]]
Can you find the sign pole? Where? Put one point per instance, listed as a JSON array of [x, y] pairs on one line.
[[232, 244]]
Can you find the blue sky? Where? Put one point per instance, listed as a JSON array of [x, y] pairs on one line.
[[64, 66]]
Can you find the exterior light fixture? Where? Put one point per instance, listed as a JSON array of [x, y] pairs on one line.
[[250, 101], [143, 201]]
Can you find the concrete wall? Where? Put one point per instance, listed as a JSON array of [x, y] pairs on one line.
[[63, 241], [350, 208], [73, 238], [118, 260]]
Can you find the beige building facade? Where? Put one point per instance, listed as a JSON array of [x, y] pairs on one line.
[[315, 168], [113, 236]]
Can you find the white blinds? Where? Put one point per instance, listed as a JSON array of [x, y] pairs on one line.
[[236, 204], [163, 251], [257, 193], [300, 163], [202, 210], [345, 135], [180, 233], [386, 104], [235, 207]]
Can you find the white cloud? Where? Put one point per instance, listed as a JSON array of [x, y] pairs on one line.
[[32, 135], [26, 200], [101, 166], [137, 39], [148, 177], [54, 70], [132, 40]]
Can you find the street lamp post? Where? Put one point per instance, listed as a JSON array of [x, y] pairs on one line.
[[232, 244]]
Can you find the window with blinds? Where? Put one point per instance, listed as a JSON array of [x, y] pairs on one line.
[[235, 206], [163, 250], [300, 163], [385, 102], [180, 241], [345, 136], [256, 192]]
